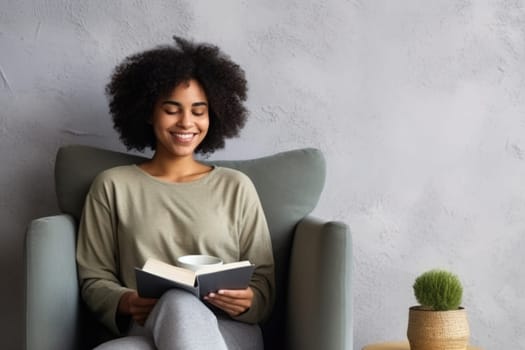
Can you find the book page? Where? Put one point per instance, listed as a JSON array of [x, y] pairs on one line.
[[223, 267], [169, 271]]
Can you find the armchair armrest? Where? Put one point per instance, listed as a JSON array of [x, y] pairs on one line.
[[52, 297], [319, 299]]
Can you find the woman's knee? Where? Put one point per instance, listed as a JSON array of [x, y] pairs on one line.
[[179, 299], [177, 304]]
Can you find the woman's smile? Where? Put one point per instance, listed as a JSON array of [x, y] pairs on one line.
[[183, 137]]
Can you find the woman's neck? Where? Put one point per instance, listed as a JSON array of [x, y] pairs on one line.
[[175, 169]]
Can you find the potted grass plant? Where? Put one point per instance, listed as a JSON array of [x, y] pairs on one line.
[[439, 322]]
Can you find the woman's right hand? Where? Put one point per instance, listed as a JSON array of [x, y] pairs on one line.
[[138, 308]]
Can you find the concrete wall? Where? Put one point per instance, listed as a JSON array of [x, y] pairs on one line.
[[419, 107]]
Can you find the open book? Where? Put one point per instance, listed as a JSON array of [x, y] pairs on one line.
[[156, 277]]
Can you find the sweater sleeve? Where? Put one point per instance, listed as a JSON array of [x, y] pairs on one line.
[[97, 259], [256, 246]]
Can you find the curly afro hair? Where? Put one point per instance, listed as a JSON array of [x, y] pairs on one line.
[[141, 79]]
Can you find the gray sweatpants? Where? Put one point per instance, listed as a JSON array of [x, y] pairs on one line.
[[181, 321]]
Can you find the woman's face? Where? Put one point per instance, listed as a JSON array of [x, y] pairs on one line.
[[180, 119]]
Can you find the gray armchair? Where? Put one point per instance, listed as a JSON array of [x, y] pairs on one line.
[[312, 257]]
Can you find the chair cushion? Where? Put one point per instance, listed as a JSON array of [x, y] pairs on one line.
[[289, 185]]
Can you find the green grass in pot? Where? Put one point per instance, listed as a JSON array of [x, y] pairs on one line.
[[438, 290]]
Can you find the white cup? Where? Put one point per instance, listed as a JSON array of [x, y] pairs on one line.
[[198, 261]]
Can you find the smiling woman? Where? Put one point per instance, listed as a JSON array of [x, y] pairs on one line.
[[177, 100]]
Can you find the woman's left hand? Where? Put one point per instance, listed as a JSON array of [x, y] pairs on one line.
[[233, 301]]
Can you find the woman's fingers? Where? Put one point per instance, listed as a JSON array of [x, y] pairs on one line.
[[139, 308], [234, 302], [230, 309]]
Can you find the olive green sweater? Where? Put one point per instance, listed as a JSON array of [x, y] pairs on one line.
[[130, 216]]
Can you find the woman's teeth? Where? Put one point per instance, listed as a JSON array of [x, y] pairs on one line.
[[183, 137]]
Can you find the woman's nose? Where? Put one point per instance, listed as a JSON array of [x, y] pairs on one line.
[[185, 119]]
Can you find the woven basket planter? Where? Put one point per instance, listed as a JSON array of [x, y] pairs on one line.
[[437, 330]]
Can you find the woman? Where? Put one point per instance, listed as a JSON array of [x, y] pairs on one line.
[[177, 100]]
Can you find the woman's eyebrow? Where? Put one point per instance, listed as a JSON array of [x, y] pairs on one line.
[[170, 102], [178, 104], [197, 104]]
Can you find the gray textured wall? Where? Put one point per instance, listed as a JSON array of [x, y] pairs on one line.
[[419, 107]]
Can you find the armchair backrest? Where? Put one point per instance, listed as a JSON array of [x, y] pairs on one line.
[[289, 185]]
